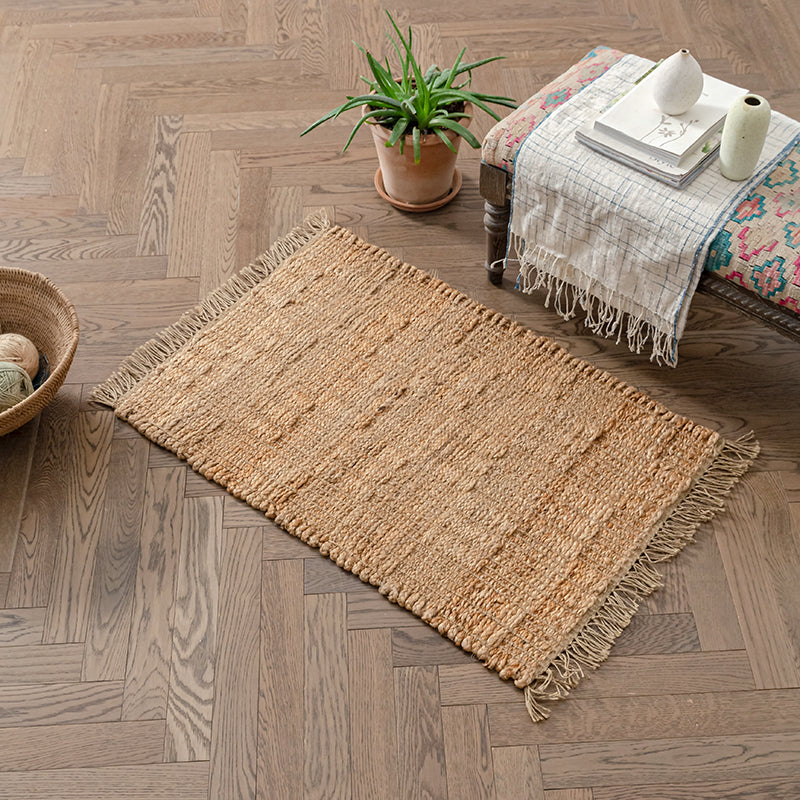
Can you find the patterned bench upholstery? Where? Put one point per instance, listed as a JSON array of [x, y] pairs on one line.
[[757, 251]]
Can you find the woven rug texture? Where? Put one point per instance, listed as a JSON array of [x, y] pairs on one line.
[[513, 497]]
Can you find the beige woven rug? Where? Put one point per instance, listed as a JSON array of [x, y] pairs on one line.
[[511, 496]]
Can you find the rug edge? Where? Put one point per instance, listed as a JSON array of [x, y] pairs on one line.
[[590, 647], [154, 352]]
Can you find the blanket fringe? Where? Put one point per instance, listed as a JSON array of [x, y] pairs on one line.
[[605, 316], [153, 353], [592, 644]]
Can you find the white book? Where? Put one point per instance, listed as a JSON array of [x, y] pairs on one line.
[[679, 176], [636, 120]]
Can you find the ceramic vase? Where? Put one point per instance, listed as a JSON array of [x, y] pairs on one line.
[[743, 136], [677, 83]]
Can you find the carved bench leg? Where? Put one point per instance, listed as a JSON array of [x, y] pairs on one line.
[[495, 221], [494, 189]]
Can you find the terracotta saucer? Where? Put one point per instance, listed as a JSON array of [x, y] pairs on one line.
[[422, 206]]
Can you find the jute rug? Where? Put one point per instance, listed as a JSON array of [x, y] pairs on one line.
[[513, 497]]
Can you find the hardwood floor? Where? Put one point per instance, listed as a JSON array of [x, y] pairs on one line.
[[159, 638]]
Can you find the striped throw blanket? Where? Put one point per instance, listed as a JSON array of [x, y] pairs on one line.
[[599, 235]]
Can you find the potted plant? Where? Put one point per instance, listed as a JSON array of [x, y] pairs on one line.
[[418, 120]]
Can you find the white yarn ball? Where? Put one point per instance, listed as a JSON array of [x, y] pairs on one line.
[[18, 349]]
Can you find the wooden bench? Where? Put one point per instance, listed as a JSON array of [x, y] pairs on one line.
[[505, 138]]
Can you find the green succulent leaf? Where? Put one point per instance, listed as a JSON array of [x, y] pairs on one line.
[[465, 134], [445, 138], [399, 129], [413, 102]]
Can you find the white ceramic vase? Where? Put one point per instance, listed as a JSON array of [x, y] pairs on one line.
[[743, 136], [677, 83]]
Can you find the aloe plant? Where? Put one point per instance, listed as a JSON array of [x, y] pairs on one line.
[[415, 102]]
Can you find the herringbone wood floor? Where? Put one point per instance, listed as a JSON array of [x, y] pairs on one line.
[[157, 638]]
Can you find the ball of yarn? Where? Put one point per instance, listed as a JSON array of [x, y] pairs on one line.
[[18, 349], [15, 385]]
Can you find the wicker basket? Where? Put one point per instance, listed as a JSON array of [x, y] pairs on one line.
[[31, 305]]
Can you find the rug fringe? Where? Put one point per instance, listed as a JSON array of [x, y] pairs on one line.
[[592, 644], [153, 353]]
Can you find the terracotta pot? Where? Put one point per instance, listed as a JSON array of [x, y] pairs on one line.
[[417, 184]]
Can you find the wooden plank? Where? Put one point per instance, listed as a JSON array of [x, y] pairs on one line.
[[199, 486], [325, 698], [760, 548], [659, 633], [237, 514], [44, 509], [21, 626], [97, 186], [60, 703], [375, 611], [16, 455], [673, 596], [37, 663], [215, 52], [622, 676], [23, 98], [151, 25], [470, 771], [222, 221], [67, 615], [194, 640], [517, 774], [791, 485], [260, 24], [661, 760], [21, 252], [288, 29], [129, 782], [286, 210], [38, 13], [77, 131], [22, 227], [235, 723], [131, 169], [110, 269], [314, 53], [253, 236], [234, 15], [421, 754], [81, 745], [158, 202], [187, 234], [421, 645], [744, 789], [710, 597], [658, 716], [364, 23], [278, 544], [116, 564], [373, 724], [12, 39], [281, 680], [150, 644], [323, 576]]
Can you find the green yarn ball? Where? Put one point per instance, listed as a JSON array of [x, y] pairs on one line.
[[15, 385]]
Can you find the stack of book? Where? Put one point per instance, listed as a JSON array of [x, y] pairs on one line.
[[673, 149]]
